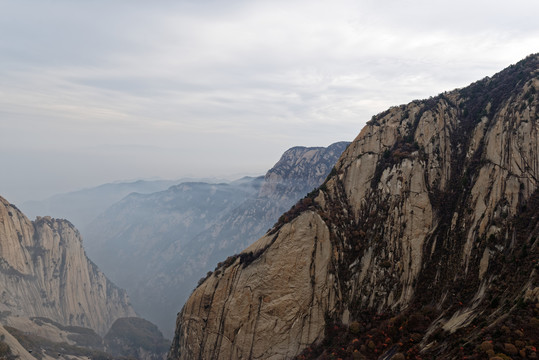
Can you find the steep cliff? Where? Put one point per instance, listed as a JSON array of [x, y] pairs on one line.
[[44, 272], [10, 348], [423, 239], [300, 170]]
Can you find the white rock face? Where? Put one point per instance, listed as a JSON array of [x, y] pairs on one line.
[[282, 297], [44, 272], [426, 206]]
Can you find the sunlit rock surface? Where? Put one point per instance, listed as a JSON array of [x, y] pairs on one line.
[[44, 272]]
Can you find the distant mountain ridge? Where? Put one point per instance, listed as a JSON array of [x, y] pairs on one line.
[[135, 235], [299, 171], [186, 229], [82, 206]]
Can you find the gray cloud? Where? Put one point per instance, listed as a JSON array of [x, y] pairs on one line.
[[216, 88]]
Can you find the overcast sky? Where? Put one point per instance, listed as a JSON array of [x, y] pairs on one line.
[[98, 91]]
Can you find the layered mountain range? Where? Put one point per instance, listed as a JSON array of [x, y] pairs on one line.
[[422, 243], [159, 245], [83, 206]]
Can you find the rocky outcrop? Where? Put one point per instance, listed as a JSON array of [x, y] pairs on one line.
[[300, 170], [44, 272], [434, 203], [282, 298]]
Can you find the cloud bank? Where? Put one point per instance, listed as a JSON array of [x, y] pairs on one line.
[[98, 91]]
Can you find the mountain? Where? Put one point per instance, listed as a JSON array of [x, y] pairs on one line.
[[54, 300], [158, 245], [10, 348], [422, 243], [82, 206], [134, 237], [299, 171], [128, 338], [44, 272], [137, 338]]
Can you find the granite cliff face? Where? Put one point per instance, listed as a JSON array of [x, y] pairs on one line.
[[423, 238], [44, 272]]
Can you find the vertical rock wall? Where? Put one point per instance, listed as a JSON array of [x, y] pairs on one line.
[[45, 272]]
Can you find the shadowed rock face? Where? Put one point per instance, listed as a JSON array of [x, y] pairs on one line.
[[44, 272], [434, 203]]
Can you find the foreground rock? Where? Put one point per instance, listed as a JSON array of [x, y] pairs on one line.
[[424, 238]]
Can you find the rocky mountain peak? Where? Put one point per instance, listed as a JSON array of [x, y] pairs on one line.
[[301, 169], [425, 237]]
